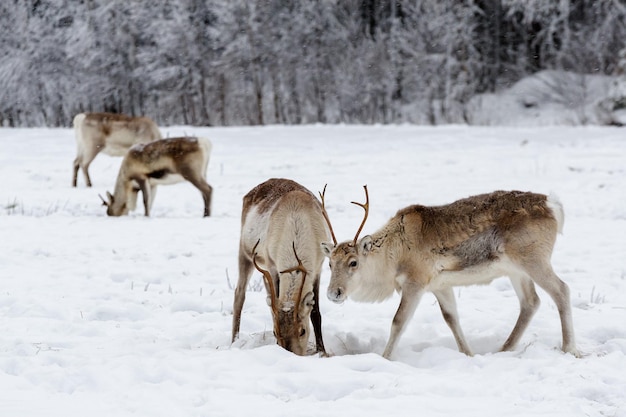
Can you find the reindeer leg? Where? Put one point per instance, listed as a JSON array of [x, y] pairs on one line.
[[529, 304], [86, 174], [207, 192], [145, 193], [543, 275], [200, 183], [447, 304], [76, 167], [411, 295], [245, 271], [316, 317], [88, 156], [153, 189]]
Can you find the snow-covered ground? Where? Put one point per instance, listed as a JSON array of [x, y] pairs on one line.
[[130, 316]]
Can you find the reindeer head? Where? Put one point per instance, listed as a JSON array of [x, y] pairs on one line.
[[121, 204], [292, 312], [115, 207], [346, 258], [294, 324]]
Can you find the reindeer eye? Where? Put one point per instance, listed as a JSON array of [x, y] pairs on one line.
[[302, 332], [353, 264]]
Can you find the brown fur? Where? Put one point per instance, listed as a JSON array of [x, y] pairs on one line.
[[282, 227], [470, 241], [110, 133], [265, 195], [448, 230]]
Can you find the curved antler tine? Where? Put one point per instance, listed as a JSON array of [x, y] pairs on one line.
[[330, 227], [273, 296], [104, 202], [270, 282], [300, 268], [366, 207], [254, 249]]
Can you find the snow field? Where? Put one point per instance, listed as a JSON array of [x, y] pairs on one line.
[[132, 316]]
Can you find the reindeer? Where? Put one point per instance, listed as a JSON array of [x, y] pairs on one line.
[[110, 133], [282, 228], [471, 241], [165, 161]]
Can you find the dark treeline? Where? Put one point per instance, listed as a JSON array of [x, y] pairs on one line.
[[241, 62]]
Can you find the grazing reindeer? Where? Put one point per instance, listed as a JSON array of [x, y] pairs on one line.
[[282, 228], [165, 161], [110, 133], [471, 241]]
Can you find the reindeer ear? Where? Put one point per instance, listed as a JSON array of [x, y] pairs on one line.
[[366, 244], [327, 248], [110, 197]]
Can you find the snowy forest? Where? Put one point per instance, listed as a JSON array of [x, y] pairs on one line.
[[241, 62]]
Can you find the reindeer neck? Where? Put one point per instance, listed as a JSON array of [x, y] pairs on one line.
[[120, 183]]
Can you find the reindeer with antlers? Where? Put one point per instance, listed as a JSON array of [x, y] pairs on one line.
[[471, 241], [282, 228], [165, 161]]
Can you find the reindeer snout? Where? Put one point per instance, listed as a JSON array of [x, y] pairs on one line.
[[336, 295]]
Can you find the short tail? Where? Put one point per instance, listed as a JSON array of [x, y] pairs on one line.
[[557, 210]]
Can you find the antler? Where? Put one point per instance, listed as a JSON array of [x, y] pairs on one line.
[[273, 296], [332, 233], [300, 268], [366, 207], [104, 202]]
